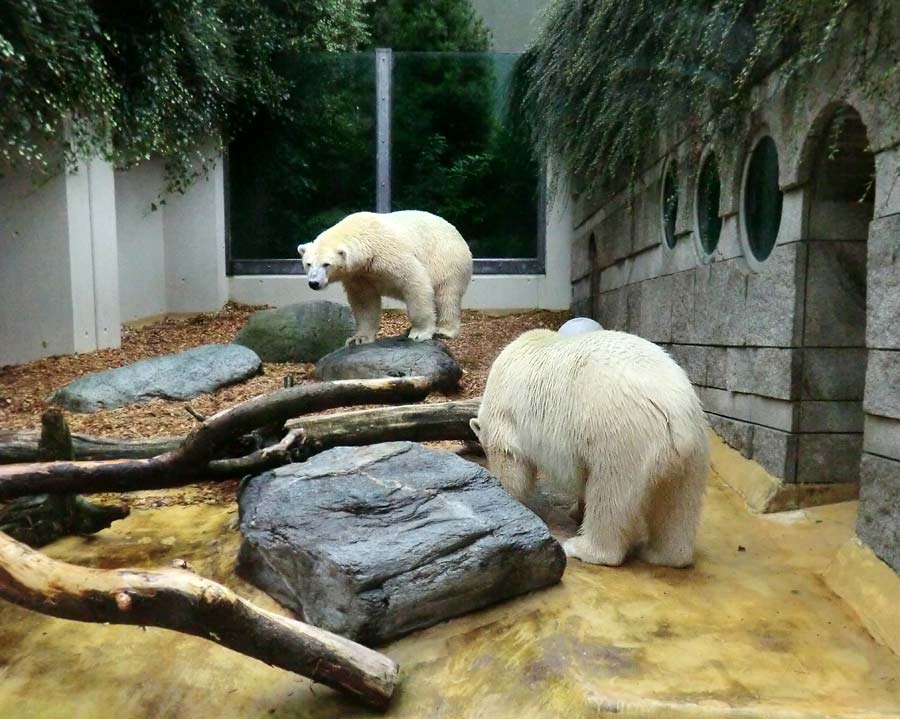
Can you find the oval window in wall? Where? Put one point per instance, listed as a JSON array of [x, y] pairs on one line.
[[762, 199], [709, 190], [669, 205]]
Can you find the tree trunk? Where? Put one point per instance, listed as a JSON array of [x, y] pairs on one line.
[[416, 423], [189, 461], [22, 446], [413, 423], [44, 518], [182, 601]]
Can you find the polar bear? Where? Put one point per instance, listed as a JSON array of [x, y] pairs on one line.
[[412, 256], [616, 419]]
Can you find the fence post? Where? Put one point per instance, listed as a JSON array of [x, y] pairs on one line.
[[383, 66]]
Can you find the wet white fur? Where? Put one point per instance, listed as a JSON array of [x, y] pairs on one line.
[[616, 419], [412, 256]]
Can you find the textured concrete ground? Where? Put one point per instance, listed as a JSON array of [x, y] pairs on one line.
[[751, 631]]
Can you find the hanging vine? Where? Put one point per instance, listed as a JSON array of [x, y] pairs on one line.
[[605, 75], [150, 78]]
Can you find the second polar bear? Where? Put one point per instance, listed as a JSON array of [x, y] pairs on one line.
[[412, 256], [616, 419]]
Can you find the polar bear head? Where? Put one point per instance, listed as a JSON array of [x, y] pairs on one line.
[[323, 263], [330, 256]]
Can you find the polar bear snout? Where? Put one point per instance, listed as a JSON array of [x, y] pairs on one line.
[[317, 277]]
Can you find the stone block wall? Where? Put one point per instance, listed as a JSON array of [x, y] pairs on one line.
[[796, 357]]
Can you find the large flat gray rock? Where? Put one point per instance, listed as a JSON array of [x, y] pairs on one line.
[[302, 332], [374, 542], [392, 357], [177, 376]]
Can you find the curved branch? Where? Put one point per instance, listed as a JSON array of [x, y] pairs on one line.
[[180, 600], [188, 462]]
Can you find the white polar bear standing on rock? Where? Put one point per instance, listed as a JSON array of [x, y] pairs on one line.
[[412, 256], [615, 418]]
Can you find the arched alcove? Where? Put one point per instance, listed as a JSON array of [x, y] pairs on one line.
[[841, 194]]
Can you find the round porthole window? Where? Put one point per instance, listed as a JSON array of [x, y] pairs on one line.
[[709, 190], [762, 199], [669, 204]]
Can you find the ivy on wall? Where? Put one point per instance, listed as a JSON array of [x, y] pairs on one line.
[[605, 75], [149, 78]]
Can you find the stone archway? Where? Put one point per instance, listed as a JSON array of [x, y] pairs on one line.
[[833, 359]]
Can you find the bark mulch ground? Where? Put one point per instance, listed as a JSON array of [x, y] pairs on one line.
[[24, 388]]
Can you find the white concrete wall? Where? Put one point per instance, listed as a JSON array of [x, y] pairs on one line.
[[93, 256], [142, 258], [194, 233], [35, 284], [59, 288], [81, 253]]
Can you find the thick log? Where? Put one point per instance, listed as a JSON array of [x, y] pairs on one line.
[[409, 423], [414, 423], [189, 461], [16, 447], [180, 600], [41, 519]]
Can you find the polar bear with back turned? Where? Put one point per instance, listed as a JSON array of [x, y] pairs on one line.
[[612, 416], [412, 256]]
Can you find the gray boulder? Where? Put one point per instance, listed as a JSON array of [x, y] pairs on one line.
[[374, 542], [177, 376], [393, 357], [303, 332]]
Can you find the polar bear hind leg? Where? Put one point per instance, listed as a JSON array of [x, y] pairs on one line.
[[418, 295], [674, 514], [448, 303], [612, 516]]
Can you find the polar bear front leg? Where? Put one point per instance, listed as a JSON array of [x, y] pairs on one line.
[[366, 305], [418, 294]]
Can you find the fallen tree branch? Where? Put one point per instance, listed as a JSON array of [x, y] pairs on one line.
[[182, 601], [259, 461], [16, 447], [188, 462], [42, 518], [411, 423]]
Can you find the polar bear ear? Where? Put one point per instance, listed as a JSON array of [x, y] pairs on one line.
[[475, 426], [342, 253], [301, 249]]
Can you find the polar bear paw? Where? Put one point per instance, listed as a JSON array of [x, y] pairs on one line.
[[359, 340], [446, 332], [582, 548], [421, 335]]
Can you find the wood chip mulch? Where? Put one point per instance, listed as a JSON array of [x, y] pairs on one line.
[[24, 388]]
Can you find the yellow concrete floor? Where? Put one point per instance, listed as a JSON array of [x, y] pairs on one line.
[[751, 631]]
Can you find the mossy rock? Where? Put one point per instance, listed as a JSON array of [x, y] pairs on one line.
[[302, 332]]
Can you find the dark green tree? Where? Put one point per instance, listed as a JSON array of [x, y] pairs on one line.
[[294, 174]]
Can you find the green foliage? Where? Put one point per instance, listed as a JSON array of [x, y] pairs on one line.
[[294, 174], [428, 25], [605, 75], [300, 171], [149, 78]]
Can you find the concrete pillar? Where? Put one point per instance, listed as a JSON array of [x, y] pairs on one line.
[[58, 263], [93, 256], [194, 235], [142, 258]]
